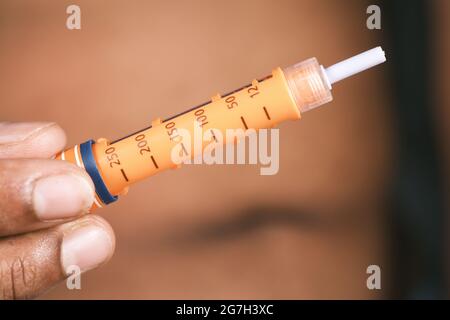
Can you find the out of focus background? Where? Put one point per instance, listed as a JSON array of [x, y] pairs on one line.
[[362, 181]]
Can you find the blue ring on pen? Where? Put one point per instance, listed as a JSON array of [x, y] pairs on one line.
[[91, 167]]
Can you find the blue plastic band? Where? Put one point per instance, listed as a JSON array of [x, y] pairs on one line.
[[91, 167]]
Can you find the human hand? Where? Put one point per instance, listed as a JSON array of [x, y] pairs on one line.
[[44, 228]]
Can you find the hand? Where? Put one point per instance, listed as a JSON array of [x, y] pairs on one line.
[[44, 228]]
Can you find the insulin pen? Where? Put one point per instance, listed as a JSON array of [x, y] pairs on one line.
[[283, 95]]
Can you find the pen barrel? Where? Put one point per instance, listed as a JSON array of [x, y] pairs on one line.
[[114, 166]]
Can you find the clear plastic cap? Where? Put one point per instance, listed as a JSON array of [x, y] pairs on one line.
[[308, 84]]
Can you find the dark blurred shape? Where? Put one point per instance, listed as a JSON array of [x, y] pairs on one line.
[[417, 211], [253, 219]]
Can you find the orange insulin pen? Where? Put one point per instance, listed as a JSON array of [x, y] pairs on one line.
[[283, 95]]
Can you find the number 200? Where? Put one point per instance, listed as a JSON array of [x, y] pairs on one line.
[[142, 144]]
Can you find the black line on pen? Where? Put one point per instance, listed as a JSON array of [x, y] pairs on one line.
[[191, 109], [184, 148], [267, 113], [245, 124], [132, 134], [186, 111], [154, 162], [124, 174], [213, 135]]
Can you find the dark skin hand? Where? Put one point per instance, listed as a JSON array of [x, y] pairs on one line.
[[44, 226]]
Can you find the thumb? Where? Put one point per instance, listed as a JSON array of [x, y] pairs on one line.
[[34, 262]]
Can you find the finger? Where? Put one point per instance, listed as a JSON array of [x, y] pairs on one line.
[[40, 193], [34, 262], [30, 139]]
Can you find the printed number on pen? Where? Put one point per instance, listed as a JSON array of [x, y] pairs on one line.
[[112, 157], [142, 144]]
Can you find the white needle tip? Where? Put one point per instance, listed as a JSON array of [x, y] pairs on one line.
[[354, 65]]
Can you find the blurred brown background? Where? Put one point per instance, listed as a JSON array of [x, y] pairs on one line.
[[217, 231]]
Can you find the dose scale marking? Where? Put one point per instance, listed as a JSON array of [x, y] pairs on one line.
[[283, 95]]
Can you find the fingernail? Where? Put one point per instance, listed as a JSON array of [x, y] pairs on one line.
[[11, 132], [86, 247], [61, 197]]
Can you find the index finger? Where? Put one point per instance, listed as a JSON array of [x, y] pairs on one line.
[[30, 139]]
